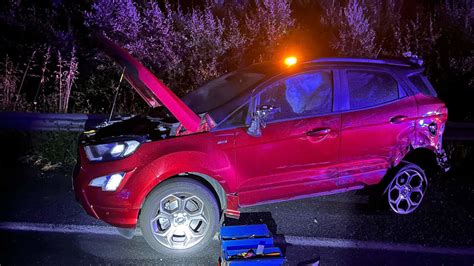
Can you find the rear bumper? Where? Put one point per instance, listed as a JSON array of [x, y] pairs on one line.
[[441, 156], [443, 161]]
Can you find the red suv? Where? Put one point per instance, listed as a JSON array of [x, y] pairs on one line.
[[261, 134]]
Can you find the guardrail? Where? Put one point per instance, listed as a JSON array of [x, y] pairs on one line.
[[459, 131], [49, 122], [79, 122]]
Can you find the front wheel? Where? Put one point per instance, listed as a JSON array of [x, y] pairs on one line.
[[407, 189], [180, 217]]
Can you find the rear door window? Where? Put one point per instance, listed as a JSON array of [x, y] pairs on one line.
[[370, 88]]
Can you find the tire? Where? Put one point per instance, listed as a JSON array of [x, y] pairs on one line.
[[406, 189], [180, 218]]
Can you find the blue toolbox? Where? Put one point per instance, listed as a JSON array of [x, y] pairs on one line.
[[249, 245]]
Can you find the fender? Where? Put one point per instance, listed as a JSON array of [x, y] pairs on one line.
[[179, 163], [419, 137]]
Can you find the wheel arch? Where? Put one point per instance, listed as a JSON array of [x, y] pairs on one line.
[[423, 157], [211, 183]]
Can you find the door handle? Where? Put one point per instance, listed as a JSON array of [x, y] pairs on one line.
[[398, 119], [318, 132]]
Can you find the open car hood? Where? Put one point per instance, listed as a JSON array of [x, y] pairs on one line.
[[149, 87]]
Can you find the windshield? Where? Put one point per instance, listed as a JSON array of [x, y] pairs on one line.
[[221, 90]]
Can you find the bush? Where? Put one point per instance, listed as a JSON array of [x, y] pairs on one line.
[[43, 84], [189, 43], [187, 49]]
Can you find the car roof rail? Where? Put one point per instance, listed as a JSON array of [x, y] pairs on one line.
[[412, 61]]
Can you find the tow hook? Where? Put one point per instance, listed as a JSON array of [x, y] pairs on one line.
[[443, 161]]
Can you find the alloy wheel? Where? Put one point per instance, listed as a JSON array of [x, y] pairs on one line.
[[181, 222], [406, 191]]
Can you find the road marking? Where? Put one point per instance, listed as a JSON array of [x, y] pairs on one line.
[[358, 244], [59, 228], [292, 240]]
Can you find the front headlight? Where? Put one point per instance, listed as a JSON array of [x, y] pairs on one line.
[[108, 182], [111, 151]]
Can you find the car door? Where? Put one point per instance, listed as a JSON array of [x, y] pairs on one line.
[[379, 116], [299, 146]]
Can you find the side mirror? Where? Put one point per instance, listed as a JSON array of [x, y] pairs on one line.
[[258, 119]]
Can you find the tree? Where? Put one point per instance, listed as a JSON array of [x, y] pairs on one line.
[[354, 35]]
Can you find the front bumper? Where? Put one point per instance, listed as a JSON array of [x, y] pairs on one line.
[[114, 208]]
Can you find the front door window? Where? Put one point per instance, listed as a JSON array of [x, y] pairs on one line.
[[301, 95]]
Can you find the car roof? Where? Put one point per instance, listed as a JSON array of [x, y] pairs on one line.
[[273, 68], [397, 62]]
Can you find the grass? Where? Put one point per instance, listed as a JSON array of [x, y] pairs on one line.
[[46, 151]]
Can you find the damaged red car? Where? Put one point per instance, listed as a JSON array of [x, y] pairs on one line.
[[262, 134]]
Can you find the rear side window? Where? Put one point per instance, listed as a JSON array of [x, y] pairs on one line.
[[420, 84], [300, 95], [370, 88]]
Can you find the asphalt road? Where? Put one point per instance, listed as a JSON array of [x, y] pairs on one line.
[[40, 223]]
